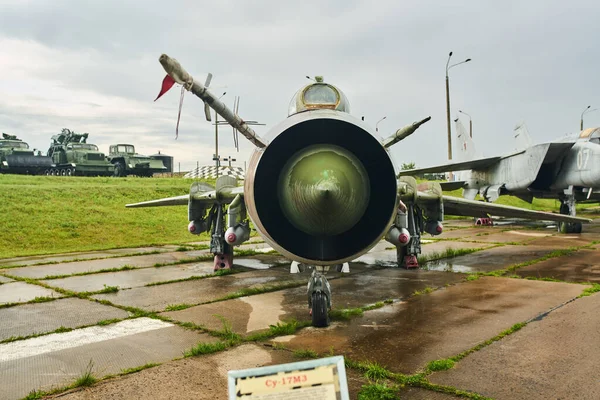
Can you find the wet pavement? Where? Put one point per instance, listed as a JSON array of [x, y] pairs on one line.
[[580, 266], [491, 259], [435, 312], [405, 336], [553, 358]]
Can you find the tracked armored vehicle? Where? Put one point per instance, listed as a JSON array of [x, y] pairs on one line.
[[71, 155], [128, 162], [17, 158]]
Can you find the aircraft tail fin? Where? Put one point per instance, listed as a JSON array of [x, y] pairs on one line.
[[466, 145], [522, 137]]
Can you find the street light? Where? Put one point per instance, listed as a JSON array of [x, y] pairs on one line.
[[376, 125], [470, 123], [448, 102], [587, 110]]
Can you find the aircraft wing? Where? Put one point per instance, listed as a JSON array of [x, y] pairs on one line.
[[226, 190], [460, 166], [473, 208]]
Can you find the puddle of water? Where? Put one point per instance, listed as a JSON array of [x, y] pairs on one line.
[[447, 267]]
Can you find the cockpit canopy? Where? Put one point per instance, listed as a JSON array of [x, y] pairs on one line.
[[318, 95], [592, 134]]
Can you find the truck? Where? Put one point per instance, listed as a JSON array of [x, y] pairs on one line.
[[128, 162], [17, 158], [72, 155]]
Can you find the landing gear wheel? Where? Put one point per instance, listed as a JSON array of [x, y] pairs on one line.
[[119, 169], [577, 227], [320, 316]]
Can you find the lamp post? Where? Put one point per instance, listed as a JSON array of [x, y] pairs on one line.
[[377, 124], [587, 110], [470, 123], [448, 102]]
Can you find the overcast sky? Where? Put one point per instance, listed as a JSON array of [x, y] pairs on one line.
[[92, 66]]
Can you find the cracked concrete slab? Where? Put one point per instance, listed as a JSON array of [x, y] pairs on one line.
[[21, 292], [405, 336], [555, 357], [57, 360], [36, 318], [4, 279]]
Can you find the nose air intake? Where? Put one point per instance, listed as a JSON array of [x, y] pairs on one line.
[[335, 190]]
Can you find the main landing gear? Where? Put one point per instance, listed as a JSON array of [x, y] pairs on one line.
[[567, 207]]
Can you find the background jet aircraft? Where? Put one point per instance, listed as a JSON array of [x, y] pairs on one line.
[[567, 169], [321, 189]]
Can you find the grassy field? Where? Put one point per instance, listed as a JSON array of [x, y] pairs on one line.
[[46, 215], [49, 214]]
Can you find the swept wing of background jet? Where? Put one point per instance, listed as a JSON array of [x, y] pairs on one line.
[[320, 188], [567, 169]]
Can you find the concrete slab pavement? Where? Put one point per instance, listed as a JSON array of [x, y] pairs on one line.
[[405, 336], [21, 292], [36, 318], [555, 357], [57, 360]]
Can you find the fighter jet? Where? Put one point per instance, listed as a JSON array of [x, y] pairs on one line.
[[320, 188], [567, 169]]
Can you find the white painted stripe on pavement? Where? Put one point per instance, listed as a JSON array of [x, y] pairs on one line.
[[78, 337]]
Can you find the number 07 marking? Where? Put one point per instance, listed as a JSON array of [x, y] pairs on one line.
[[582, 158]]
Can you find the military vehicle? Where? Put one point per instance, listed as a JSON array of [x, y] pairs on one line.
[[128, 162], [17, 158], [321, 189], [71, 155]]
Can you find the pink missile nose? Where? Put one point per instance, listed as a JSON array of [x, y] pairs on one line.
[[192, 227], [439, 228], [403, 238], [231, 238]]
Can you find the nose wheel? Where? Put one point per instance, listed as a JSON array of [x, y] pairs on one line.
[[319, 297], [319, 310]]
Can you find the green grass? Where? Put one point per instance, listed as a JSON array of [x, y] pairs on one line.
[[83, 214], [591, 290], [448, 253], [305, 353], [177, 307], [378, 391], [138, 369], [440, 365], [206, 348]]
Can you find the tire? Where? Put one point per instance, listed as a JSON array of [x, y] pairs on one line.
[[577, 227], [119, 169], [320, 316]]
